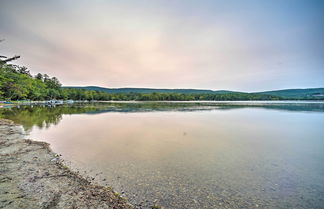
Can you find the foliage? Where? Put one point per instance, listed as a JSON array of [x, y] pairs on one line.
[[16, 83], [309, 93], [151, 90]]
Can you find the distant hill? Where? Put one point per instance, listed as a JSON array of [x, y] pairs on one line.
[[310, 93], [150, 90]]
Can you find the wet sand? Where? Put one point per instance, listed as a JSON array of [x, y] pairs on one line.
[[32, 176]]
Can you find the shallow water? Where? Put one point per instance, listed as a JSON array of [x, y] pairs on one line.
[[194, 155]]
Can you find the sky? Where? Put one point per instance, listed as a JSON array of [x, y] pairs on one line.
[[245, 45]]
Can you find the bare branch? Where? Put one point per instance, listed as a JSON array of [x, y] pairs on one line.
[[11, 59]]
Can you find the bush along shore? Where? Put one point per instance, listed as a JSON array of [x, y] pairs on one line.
[[32, 176]]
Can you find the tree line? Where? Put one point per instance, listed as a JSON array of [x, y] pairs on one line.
[[16, 83]]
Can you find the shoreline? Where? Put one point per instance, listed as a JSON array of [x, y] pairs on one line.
[[33, 176], [15, 103]]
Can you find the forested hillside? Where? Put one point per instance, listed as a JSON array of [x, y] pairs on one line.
[[16, 83], [310, 93], [305, 94], [151, 90]]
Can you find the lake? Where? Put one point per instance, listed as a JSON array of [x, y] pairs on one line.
[[193, 154]]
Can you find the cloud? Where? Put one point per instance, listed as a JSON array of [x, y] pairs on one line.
[[211, 44]]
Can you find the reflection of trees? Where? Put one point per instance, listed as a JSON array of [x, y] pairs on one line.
[[32, 116], [43, 116], [39, 116], [300, 107], [198, 106]]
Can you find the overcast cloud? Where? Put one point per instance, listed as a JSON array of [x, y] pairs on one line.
[[237, 45]]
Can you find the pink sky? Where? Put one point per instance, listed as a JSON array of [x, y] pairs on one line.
[[248, 46]]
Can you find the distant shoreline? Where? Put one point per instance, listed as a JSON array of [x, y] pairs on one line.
[[14, 103]]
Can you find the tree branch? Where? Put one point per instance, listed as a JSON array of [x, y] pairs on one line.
[[10, 59]]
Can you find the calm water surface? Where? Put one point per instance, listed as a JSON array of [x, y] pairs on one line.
[[191, 155]]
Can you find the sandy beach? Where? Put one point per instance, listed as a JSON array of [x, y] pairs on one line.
[[32, 176]]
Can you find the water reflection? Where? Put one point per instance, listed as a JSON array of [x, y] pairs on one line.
[[42, 116], [191, 155]]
